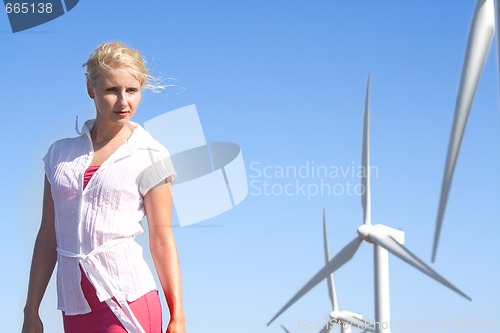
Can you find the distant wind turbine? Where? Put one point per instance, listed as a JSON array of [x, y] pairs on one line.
[[480, 37], [384, 240], [344, 318]]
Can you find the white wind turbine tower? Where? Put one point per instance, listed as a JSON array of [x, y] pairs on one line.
[[480, 37], [384, 240], [344, 318]]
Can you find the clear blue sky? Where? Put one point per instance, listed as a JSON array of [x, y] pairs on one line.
[[286, 81]]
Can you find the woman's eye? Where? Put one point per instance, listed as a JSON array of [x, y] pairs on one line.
[[131, 90], [111, 89]]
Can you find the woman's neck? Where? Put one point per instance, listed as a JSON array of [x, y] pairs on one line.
[[102, 134]]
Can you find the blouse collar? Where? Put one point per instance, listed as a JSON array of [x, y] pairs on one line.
[[134, 142]]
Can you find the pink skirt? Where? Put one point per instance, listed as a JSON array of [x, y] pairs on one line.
[[101, 319]]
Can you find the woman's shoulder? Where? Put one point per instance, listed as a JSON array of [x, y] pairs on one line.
[[144, 140], [65, 143], [64, 149]]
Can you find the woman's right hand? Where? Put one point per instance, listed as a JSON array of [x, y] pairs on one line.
[[32, 324]]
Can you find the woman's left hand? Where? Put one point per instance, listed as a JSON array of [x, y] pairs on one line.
[[176, 326]]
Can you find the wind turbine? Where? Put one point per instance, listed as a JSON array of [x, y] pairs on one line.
[[384, 240], [344, 318], [480, 37]]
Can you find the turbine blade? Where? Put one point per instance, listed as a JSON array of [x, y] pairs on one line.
[[283, 327], [370, 327], [340, 259], [480, 37], [365, 159], [326, 328], [380, 237], [332, 293]]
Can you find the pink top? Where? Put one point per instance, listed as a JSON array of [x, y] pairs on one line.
[[89, 173]]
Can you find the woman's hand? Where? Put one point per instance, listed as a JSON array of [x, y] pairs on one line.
[[32, 324], [176, 326]]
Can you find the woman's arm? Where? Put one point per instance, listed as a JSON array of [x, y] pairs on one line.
[[42, 264], [158, 205]]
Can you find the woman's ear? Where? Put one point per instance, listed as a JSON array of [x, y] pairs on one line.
[[90, 90]]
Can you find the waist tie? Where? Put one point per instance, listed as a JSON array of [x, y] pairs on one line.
[[98, 274]]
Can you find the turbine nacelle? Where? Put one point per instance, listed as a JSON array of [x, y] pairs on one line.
[[348, 318], [365, 230], [339, 316]]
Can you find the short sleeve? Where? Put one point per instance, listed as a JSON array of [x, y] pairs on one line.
[[158, 169], [48, 161]]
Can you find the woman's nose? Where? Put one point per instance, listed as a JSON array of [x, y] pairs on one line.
[[122, 98]]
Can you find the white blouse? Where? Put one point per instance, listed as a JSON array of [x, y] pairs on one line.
[[96, 226]]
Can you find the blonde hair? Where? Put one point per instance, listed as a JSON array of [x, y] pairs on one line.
[[117, 55]]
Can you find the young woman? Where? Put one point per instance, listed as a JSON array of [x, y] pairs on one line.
[[98, 187]]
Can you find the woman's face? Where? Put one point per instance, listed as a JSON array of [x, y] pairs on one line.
[[116, 95]]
